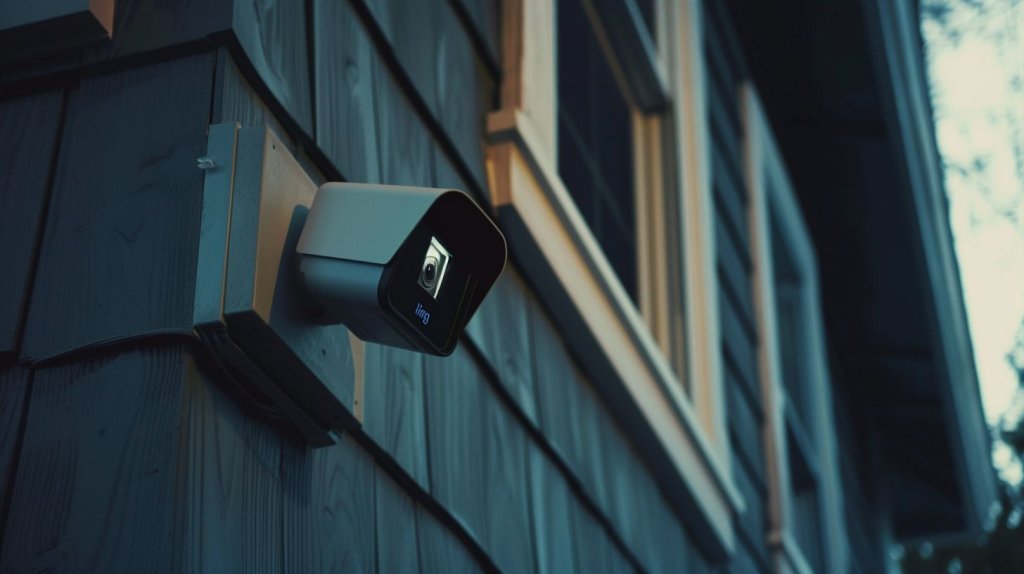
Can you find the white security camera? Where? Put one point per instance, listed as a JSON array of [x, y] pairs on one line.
[[402, 266]]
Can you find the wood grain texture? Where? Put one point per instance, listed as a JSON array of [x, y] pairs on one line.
[[393, 407], [508, 541], [235, 100], [273, 35], [405, 145], [439, 549], [500, 328], [485, 19], [595, 552], [329, 509], [14, 382], [346, 115], [119, 250], [550, 499], [95, 490], [456, 439], [569, 409], [28, 133], [397, 549], [231, 492], [414, 33], [464, 93]]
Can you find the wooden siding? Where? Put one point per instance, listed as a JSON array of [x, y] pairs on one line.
[[124, 452], [725, 71]]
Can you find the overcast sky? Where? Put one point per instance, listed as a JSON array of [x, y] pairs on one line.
[[980, 116]]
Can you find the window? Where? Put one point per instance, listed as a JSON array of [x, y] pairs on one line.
[[624, 310], [616, 155], [595, 141], [807, 530]]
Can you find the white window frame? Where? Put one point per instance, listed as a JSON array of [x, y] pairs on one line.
[[528, 194], [772, 201]]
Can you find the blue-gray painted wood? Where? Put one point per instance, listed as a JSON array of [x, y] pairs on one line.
[[439, 549], [393, 407], [96, 480], [501, 330], [29, 128], [231, 484], [346, 65], [272, 33], [595, 552], [464, 93], [404, 140], [14, 382], [478, 460], [550, 498], [397, 547], [124, 215], [566, 405], [455, 438], [485, 24], [330, 509]]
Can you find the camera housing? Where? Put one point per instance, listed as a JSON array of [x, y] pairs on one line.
[[402, 266]]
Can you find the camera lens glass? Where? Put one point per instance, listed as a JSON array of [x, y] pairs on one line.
[[435, 263], [429, 272]]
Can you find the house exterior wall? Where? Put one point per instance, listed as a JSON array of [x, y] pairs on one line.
[[121, 450]]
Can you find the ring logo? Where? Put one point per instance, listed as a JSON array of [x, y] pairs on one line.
[[422, 313]]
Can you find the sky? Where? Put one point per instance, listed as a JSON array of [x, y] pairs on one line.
[[980, 133]]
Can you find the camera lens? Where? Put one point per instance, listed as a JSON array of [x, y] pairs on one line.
[[429, 274]]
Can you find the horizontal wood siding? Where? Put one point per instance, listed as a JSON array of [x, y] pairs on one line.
[[734, 269], [500, 456], [97, 469], [29, 130], [119, 251]]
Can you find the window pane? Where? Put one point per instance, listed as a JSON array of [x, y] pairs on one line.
[[595, 137], [789, 296]]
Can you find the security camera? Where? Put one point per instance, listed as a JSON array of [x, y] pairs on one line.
[[401, 266]]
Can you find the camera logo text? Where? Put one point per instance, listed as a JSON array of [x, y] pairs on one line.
[[422, 313]]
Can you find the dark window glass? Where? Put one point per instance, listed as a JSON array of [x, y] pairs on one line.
[[789, 312], [595, 141]]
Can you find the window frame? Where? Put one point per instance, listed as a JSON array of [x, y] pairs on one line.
[[773, 205], [559, 255]]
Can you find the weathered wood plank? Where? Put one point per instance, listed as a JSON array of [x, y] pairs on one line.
[[595, 552], [508, 539], [329, 509], [500, 328], [29, 129], [456, 438], [406, 146], [14, 382], [95, 490], [485, 19], [124, 214], [552, 520], [273, 35], [464, 93], [439, 549], [569, 410], [397, 549], [393, 407], [346, 115], [231, 491]]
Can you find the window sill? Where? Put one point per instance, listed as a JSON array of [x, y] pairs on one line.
[[562, 259]]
